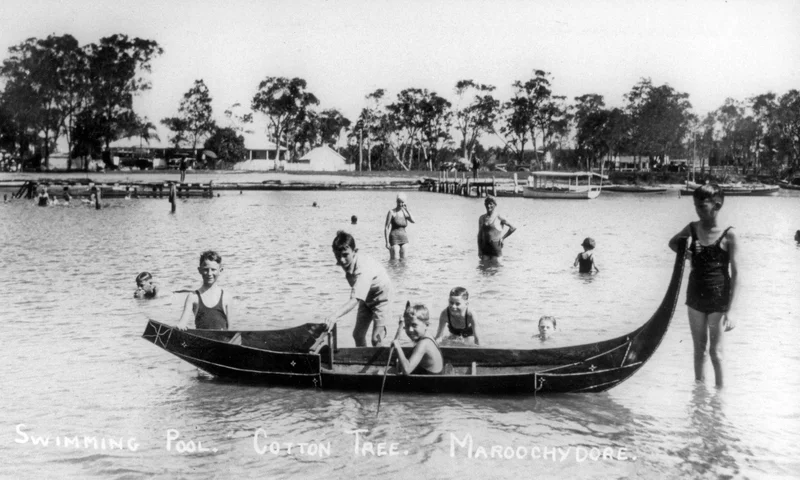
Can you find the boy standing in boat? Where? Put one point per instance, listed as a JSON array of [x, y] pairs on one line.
[[371, 291], [712, 281], [208, 304]]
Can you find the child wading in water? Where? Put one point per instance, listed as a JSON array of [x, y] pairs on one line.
[[145, 288], [547, 327], [585, 260], [712, 281], [458, 320], [208, 304], [371, 291], [426, 358]]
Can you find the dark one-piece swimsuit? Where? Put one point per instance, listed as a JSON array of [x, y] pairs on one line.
[[210, 318], [420, 370], [465, 332], [491, 240], [709, 287], [398, 235], [585, 264]]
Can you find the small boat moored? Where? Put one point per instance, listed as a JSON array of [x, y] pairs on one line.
[[738, 190], [563, 185]]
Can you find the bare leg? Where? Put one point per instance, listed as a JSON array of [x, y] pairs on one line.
[[715, 350], [403, 250], [394, 252], [378, 334], [698, 324]]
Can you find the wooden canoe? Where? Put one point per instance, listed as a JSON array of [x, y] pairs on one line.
[[306, 356]]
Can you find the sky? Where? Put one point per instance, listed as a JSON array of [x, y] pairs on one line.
[[346, 49]]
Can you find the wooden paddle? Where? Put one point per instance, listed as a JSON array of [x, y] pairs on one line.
[[389, 360]]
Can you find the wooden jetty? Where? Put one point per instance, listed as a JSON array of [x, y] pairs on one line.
[[466, 186], [57, 188]]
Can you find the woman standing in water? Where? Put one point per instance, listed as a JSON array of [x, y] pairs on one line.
[[394, 231], [490, 231]]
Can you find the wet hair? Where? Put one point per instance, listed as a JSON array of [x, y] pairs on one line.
[[489, 200], [211, 256], [343, 240], [547, 318], [460, 292], [402, 196], [418, 311], [709, 191], [354, 219], [143, 277]]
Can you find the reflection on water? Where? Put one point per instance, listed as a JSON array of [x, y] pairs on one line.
[[75, 363], [710, 437]]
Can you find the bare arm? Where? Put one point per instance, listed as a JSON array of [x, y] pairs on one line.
[[475, 331], [407, 365], [729, 323], [480, 225], [511, 229], [442, 325], [408, 215], [339, 312], [227, 300], [685, 233], [577, 260], [188, 311], [387, 227]]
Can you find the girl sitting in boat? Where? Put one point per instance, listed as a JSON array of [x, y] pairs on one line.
[[426, 358], [458, 320], [712, 281]]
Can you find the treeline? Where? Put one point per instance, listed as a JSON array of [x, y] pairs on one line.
[[55, 87]]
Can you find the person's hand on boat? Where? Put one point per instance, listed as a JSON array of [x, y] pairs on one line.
[[399, 329], [329, 322], [181, 326]]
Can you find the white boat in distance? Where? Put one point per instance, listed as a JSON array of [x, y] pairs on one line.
[[563, 185]]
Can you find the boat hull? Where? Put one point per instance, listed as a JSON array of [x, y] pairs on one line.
[[633, 189], [588, 194], [738, 191], [307, 356]]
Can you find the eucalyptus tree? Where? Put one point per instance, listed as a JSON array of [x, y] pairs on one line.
[[227, 143], [331, 125], [788, 119], [195, 115], [45, 82], [514, 126], [238, 120], [475, 113], [373, 123], [285, 103], [660, 118], [117, 65]]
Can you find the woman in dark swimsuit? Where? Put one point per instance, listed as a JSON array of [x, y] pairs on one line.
[[490, 231], [394, 230], [426, 358]]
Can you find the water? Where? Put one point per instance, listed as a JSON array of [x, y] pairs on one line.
[[74, 363]]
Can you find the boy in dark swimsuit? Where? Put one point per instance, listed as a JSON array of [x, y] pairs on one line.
[[712, 281], [209, 306], [426, 358]]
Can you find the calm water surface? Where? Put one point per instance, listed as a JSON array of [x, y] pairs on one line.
[[74, 363]]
